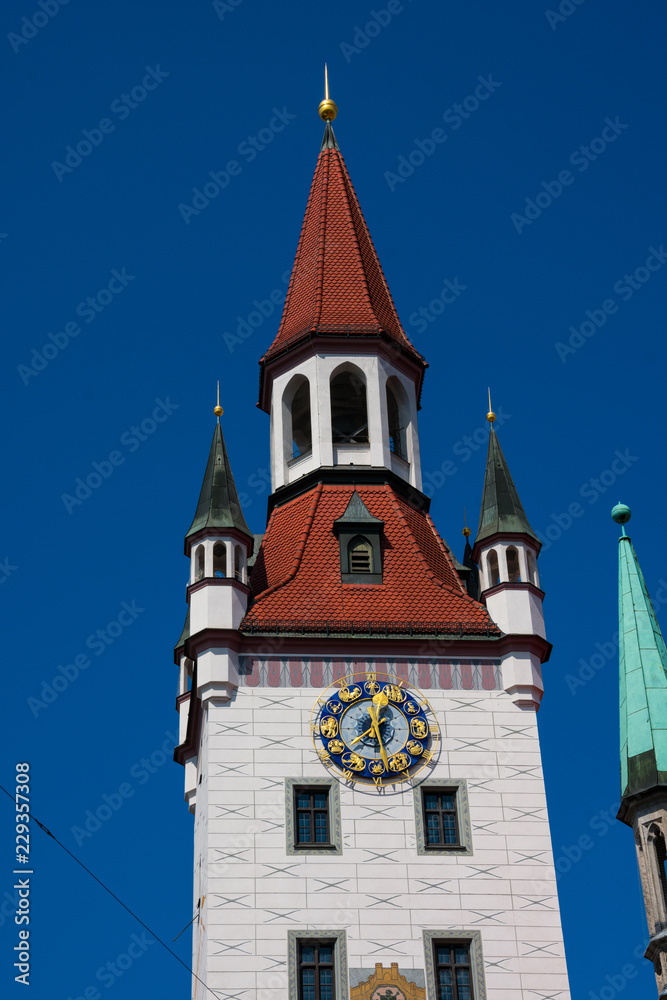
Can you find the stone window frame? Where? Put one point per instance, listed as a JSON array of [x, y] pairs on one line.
[[335, 827], [341, 988], [471, 938], [464, 848]]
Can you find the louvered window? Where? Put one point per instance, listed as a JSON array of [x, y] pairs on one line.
[[360, 556]]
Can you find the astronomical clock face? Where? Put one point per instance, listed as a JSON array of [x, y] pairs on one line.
[[374, 729]]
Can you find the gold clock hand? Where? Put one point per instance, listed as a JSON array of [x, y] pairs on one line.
[[374, 722], [357, 738]]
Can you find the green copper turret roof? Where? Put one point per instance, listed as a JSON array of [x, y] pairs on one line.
[[643, 679], [501, 507], [219, 505]]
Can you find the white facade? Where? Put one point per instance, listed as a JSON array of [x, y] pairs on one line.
[[250, 891]]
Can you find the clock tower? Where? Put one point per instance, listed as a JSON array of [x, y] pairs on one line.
[[358, 721]]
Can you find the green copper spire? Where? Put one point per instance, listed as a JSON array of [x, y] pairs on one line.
[[219, 505], [501, 508], [643, 675]]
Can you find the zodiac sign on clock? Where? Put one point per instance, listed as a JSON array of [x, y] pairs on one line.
[[329, 727], [394, 693], [349, 694], [419, 728], [336, 746], [353, 761], [335, 707], [414, 748], [399, 762]]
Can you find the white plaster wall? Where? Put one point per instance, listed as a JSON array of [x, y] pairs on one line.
[[517, 611], [217, 606], [202, 852], [256, 892]]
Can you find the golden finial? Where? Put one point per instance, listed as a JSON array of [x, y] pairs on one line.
[[466, 529], [327, 109], [490, 415], [218, 410]]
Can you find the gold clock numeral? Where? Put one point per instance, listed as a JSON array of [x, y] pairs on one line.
[[427, 756], [313, 727], [377, 778], [350, 775], [404, 775], [372, 676], [325, 758]]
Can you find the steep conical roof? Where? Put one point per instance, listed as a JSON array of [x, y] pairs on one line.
[[643, 680], [219, 505], [337, 287], [501, 508]]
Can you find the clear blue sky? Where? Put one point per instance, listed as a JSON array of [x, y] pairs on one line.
[[168, 332]]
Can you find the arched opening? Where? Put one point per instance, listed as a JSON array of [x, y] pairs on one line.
[[349, 417], [360, 555], [657, 839], [532, 568], [299, 431], [397, 416], [493, 573], [219, 559], [199, 562], [513, 570], [238, 563]]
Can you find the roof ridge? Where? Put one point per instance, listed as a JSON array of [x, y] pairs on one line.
[[347, 208], [415, 545], [291, 573], [446, 552]]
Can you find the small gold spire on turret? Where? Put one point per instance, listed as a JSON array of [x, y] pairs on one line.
[[490, 415], [218, 410], [466, 530], [327, 109]]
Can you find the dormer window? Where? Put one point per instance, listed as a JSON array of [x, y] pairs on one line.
[[360, 555], [359, 534]]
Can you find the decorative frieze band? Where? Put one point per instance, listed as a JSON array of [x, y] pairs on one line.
[[450, 675]]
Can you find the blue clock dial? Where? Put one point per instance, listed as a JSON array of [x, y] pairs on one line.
[[373, 729]]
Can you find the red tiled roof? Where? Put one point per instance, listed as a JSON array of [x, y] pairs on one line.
[[337, 285], [296, 581]]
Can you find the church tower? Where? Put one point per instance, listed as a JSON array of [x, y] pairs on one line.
[[358, 729], [643, 704]]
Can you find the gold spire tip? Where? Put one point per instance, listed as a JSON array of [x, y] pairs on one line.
[[327, 109], [466, 529], [218, 410], [490, 415]]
